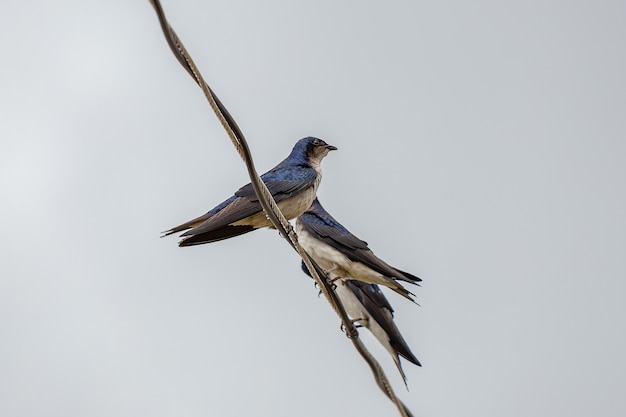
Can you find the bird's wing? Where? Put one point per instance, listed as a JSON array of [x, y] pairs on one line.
[[282, 183], [199, 220], [331, 233], [369, 295], [355, 249], [215, 234], [377, 306]]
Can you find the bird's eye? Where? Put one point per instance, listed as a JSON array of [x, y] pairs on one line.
[[317, 142]]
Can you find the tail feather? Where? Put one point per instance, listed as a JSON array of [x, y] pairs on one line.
[[188, 225], [407, 354], [402, 291], [396, 359], [408, 277], [222, 233]]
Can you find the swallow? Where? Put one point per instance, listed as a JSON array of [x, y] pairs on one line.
[[293, 183], [367, 306], [343, 255]]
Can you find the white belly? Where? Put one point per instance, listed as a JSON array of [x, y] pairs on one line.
[[332, 260]]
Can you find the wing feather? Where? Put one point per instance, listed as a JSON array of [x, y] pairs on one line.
[[355, 249], [379, 308]]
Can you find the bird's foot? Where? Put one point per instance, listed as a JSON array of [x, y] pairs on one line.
[[333, 287], [356, 322]]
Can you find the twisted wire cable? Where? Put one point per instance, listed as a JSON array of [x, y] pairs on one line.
[[271, 208]]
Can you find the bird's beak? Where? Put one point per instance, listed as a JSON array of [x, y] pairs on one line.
[[331, 147]]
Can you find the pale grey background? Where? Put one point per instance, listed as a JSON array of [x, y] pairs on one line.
[[482, 147]]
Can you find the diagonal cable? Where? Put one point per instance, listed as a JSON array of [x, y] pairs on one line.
[[270, 207]]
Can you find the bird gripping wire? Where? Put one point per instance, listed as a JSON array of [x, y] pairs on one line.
[[270, 207]]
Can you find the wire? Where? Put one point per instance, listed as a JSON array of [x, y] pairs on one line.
[[270, 207]]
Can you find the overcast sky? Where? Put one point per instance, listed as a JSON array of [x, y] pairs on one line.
[[481, 147]]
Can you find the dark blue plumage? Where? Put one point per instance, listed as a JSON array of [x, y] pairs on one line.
[[338, 251], [356, 271], [293, 184], [368, 307]]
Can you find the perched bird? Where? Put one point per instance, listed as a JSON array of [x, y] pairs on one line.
[[367, 306], [293, 184], [343, 255]]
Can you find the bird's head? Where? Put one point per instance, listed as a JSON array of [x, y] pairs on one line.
[[308, 150], [316, 149]]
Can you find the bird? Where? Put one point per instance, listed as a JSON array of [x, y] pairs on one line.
[[293, 183], [343, 255], [367, 306]]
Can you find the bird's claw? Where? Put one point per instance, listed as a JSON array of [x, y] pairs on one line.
[[355, 322]]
